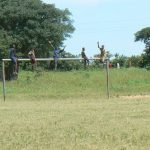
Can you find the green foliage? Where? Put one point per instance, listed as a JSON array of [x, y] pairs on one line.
[[144, 36], [135, 61], [67, 65], [31, 23], [121, 59]]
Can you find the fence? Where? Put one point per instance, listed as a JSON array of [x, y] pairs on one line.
[[52, 59]]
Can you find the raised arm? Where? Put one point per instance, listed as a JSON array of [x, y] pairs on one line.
[[64, 48], [98, 44], [50, 42], [61, 50]]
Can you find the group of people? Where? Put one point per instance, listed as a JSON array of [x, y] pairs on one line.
[[103, 54], [14, 58], [56, 52], [31, 55]]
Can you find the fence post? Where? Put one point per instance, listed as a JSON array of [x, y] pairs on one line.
[[107, 77], [4, 90]]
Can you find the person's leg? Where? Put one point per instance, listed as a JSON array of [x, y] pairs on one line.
[[15, 71], [88, 62], [14, 60], [33, 62], [55, 60], [84, 63]]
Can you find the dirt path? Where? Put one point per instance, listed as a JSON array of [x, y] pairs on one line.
[[136, 97]]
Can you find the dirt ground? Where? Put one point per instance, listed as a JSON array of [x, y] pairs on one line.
[[136, 97]]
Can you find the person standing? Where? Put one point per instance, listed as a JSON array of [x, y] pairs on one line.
[[85, 59], [118, 66], [102, 53], [13, 57], [31, 55], [56, 52]]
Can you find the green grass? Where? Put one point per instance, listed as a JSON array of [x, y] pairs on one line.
[[77, 124], [130, 81], [79, 84], [70, 111]]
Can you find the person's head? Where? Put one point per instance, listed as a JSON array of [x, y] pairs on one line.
[[83, 49], [12, 46]]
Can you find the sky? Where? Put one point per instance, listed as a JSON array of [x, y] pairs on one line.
[[111, 22]]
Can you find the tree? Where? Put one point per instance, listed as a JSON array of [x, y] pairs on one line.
[[121, 59], [135, 61], [31, 23], [144, 36]]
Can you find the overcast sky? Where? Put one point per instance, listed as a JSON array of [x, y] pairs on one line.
[[111, 22]]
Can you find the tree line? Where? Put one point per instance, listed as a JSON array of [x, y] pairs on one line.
[[32, 23], [142, 60]]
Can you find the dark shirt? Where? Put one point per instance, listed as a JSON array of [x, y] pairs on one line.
[[83, 55], [12, 54], [102, 52]]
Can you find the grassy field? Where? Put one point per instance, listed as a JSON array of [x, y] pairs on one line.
[[70, 111], [79, 84]]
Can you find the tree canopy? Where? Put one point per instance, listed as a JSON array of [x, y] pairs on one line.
[[31, 23], [144, 36]]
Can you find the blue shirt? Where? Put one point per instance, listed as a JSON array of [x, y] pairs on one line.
[[56, 53]]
